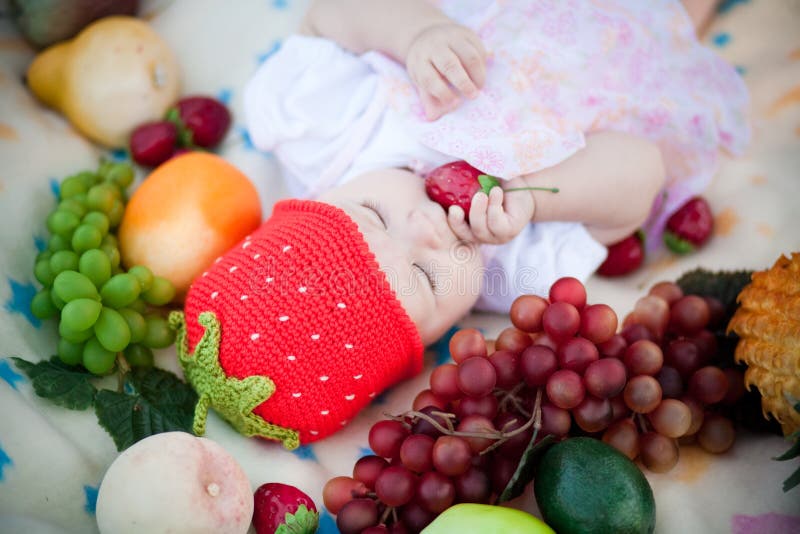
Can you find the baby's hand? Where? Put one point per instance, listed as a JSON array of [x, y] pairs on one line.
[[442, 61], [495, 218]]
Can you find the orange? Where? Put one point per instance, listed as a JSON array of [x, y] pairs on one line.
[[185, 214]]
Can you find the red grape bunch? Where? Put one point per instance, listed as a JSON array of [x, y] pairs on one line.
[[676, 389], [560, 369], [461, 442]]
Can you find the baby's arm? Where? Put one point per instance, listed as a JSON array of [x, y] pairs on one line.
[[443, 58], [701, 12], [609, 186]]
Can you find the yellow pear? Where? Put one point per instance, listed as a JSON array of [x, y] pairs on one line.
[[114, 75]]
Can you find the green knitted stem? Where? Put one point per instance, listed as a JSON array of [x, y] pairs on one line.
[[232, 398]]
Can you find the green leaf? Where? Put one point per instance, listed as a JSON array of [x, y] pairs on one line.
[[185, 135], [303, 521], [158, 402], [65, 385], [173, 115], [677, 244], [487, 182], [639, 233], [722, 285], [793, 452], [792, 481], [524, 473]]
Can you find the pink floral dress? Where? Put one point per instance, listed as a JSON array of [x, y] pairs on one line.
[[557, 70]]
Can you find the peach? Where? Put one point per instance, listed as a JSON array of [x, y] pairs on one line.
[[178, 483]]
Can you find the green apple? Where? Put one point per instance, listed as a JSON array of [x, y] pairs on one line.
[[467, 518]]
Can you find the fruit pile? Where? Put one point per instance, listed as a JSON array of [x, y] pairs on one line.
[[561, 369], [194, 122], [102, 309]]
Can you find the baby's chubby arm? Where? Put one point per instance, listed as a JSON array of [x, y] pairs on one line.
[[442, 58], [609, 186]]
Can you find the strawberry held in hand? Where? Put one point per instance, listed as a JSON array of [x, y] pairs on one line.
[[455, 184], [284, 509], [689, 227]]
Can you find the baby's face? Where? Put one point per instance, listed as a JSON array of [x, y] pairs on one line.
[[436, 276]]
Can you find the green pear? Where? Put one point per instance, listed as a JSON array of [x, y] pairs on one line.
[[467, 518]]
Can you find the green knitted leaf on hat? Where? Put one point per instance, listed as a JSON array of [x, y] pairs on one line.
[[232, 398]]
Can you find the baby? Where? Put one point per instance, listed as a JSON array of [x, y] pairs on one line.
[[615, 103], [609, 104]]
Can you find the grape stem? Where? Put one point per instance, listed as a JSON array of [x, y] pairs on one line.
[[124, 367], [535, 419], [501, 436], [511, 396], [385, 515], [448, 418], [642, 423]]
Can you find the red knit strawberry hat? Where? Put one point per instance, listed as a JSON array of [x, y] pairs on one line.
[[303, 330]]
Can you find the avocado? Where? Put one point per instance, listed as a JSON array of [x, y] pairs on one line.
[[45, 22], [586, 486]]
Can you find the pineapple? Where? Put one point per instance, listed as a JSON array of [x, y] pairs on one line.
[[768, 324]]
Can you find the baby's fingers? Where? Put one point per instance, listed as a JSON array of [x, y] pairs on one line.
[[451, 68], [437, 97], [498, 221], [456, 218], [473, 57], [433, 108], [478, 220]]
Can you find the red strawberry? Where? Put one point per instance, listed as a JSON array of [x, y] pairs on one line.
[[153, 143], [455, 183], [623, 256], [202, 120], [690, 226], [279, 505]]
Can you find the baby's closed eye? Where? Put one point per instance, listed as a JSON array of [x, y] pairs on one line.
[[431, 280]]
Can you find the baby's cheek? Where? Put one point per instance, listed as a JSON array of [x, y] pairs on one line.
[[415, 307], [423, 312]]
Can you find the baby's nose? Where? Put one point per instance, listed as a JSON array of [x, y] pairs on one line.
[[424, 230]]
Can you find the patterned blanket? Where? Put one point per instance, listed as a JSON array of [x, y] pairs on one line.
[[52, 460]]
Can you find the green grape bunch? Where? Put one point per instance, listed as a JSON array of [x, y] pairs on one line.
[[104, 312]]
